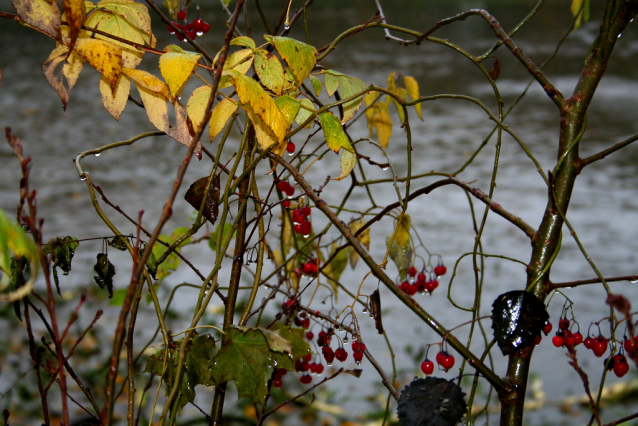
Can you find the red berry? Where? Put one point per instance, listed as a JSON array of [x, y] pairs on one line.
[[198, 24], [298, 364], [283, 185], [445, 360], [307, 357], [563, 324], [310, 268], [440, 270], [629, 346], [170, 29], [427, 367], [355, 346], [282, 371], [306, 211], [290, 191], [558, 341], [277, 382], [570, 341], [298, 216], [322, 334], [286, 203], [310, 335], [358, 356], [412, 271], [548, 328], [431, 285], [405, 286], [328, 354], [306, 379], [413, 288], [420, 278], [600, 346], [318, 368], [589, 343], [181, 15], [205, 27], [306, 228], [538, 340], [620, 365], [341, 354], [578, 338], [290, 147]]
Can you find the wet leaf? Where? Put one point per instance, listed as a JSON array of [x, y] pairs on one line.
[[316, 84], [221, 113], [42, 14], [148, 81], [263, 134], [155, 106], [297, 338], [518, 317], [412, 88], [333, 132], [348, 161], [306, 108], [300, 57], [240, 61], [495, 72], [196, 193], [105, 273], [104, 56], [431, 401], [269, 70], [401, 249], [115, 103], [289, 107], [74, 12], [375, 310], [62, 250], [72, 68], [348, 86], [196, 106], [172, 261], [177, 67], [382, 123], [117, 243]]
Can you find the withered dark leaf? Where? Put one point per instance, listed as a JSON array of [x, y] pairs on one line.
[[195, 195], [105, 271], [431, 401], [517, 319], [375, 310], [619, 302], [117, 243], [495, 73], [14, 142]]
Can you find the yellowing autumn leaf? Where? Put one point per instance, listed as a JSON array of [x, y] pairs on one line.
[[177, 67], [181, 131], [240, 61], [300, 57], [337, 265], [74, 12], [333, 132], [348, 86], [196, 106], [269, 70], [264, 135], [115, 102], [263, 106], [105, 57], [155, 106], [289, 107], [316, 84], [412, 88], [305, 111], [72, 68], [221, 113], [147, 80], [348, 161], [125, 19], [580, 10], [399, 246], [42, 14], [382, 123], [363, 237], [243, 41], [48, 67]]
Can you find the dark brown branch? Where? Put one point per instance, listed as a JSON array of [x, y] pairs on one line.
[[553, 286]]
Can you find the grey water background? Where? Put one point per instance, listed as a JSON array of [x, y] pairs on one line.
[[603, 208]]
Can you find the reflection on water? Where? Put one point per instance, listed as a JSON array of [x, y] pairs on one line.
[[603, 208]]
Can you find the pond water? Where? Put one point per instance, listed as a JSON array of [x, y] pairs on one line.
[[603, 209]]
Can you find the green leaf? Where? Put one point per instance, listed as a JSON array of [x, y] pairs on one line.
[[118, 297], [333, 132], [297, 338], [105, 272], [300, 57], [348, 161], [269, 70], [580, 10], [151, 264], [401, 249], [243, 41], [316, 84], [14, 242], [289, 107], [172, 261], [305, 110], [226, 230]]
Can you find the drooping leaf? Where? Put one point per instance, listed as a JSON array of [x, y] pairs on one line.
[[518, 317], [316, 84], [173, 7], [382, 123], [196, 193], [115, 102], [269, 70], [263, 134], [243, 41], [348, 86], [401, 250], [240, 61], [225, 228], [155, 106], [48, 67], [251, 93], [148, 81], [62, 250], [348, 161], [431, 401], [289, 107], [126, 19], [300, 57], [305, 111], [74, 12], [291, 85], [364, 239], [172, 261], [375, 310], [196, 106], [412, 88], [72, 68], [42, 14], [495, 72], [177, 67], [182, 131], [15, 243], [105, 57], [117, 243], [333, 132], [221, 113], [105, 272], [336, 266], [580, 10]]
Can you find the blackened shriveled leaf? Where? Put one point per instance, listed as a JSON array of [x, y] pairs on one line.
[[431, 402], [375, 310], [195, 195], [117, 243], [62, 250], [17, 280], [517, 319], [495, 73], [105, 272]]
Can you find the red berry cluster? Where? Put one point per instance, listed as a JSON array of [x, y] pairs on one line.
[[619, 364], [358, 349], [444, 359], [301, 224], [310, 268], [286, 188], [303, 365], [197, 28], [564, 337], [424, 281], [302, 320], [277, 380], [598, 345]]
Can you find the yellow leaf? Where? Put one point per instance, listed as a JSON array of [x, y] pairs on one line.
[[72, 69], [115, 102], [348, 161], [580, 10], [42, 14], [181, 132], [155, 106], [333, 132], [197, 104], [364, 239], [369, 99], [269, 70], [300, 57], [403, 94], [125, 19], [240, 61], [48, 67], [177, 67], [147, 80], [305, 111], [401, 250], [288, 106], [251, 93], [105, 57], [74, 12], [412, 88], [243, 41], [221, 114], [264, 135], [382, 123]]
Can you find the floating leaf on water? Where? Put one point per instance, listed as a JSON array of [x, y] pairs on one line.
[[431, 401], [517, 319]]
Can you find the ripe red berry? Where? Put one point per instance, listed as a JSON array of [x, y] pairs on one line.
[[538, 340], [283, 185], [298, 216], [290, 191], [306, 211], [405, 286], [431, 285], [328, 354], [306, 379], [355, 346], [445, 361], [440, 270], [310, 335], [318, 368], [199, 26], [286, 203], [563, 324], [412, 271], [307, 357], [548, 328], [298, 364], [629, 346], [306, 228], [170, 29], [578, 338], [589, 343], [282, 371], [358, 356], [310, 268], [620, 365], [205, 27], [558, 341], [600, 346], [427, 367], [290, 148], [181, 15], [341, 354], [277, 382]]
